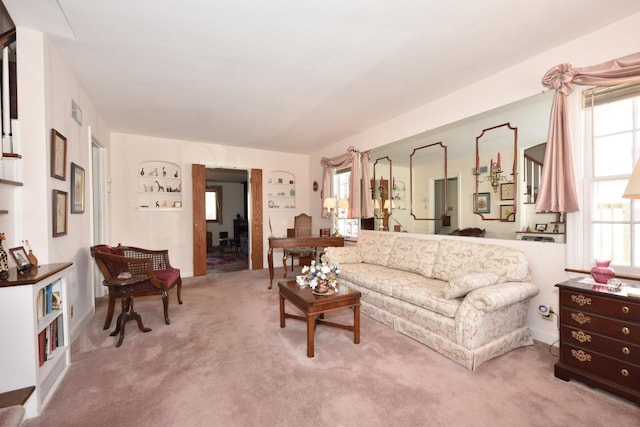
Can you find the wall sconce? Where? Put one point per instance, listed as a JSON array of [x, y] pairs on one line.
[[494, 176]]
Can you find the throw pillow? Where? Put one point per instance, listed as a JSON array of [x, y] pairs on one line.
[[462, 285]]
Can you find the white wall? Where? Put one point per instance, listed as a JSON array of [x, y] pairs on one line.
[[173, 229], [547, 260], [46, 87]]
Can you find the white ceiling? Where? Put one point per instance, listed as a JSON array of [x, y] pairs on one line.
[[290, 75]]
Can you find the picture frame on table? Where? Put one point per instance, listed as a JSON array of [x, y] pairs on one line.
[[59, 202], [482, 202], [21, 259], [507, 213], [58, 155], [507, 191], [541, 227], [77, 189]]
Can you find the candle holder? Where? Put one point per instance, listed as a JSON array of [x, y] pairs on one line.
[[494, 176]]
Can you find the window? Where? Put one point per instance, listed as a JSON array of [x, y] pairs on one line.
[[213, 204], [612, 226], [348, 227]]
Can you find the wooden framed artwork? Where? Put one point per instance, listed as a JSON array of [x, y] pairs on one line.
[[541, 227], [58, 155], [482, 202], [21, 259], [59, 213], [77, 189], [507, 213], [506, 191]]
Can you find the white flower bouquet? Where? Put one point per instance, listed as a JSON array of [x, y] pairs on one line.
[[321, 278]]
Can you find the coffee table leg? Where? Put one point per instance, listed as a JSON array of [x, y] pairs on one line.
[[356, 324], [281, 311], [311, 328]]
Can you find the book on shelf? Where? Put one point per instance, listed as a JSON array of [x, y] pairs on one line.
[[41, 348]]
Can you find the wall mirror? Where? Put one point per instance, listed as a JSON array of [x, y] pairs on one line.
[[532, 169], [495, 173], [428, 182], [381, 192], [530, 116]]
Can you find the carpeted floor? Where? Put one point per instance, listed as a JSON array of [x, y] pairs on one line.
[[225, 361]]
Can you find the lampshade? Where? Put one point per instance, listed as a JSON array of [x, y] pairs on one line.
[[343, 204], [633, 186], [389, 203], [329, 203]]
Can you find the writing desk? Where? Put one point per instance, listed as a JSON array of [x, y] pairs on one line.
[[298, 242]]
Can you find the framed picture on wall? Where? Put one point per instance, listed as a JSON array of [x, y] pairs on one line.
[[58, 155], [507, 213], [77, 189], [59, 213], [506, 191], [482, 202]]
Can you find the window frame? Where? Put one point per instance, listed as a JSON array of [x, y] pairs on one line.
[[217, 190], [591, 98]]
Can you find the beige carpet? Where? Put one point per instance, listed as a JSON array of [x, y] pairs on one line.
[[224, 361]]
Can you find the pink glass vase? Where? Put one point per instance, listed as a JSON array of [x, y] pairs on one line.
[[601, 273]]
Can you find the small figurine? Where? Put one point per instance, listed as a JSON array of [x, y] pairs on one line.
[[164, 171], [160, 187], [176, 174], [157, 204], [141, 171]]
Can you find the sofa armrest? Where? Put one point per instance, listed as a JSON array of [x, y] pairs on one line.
[[343, 254], [494, 297]]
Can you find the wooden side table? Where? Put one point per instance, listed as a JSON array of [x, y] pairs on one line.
[[128, 312], [314, 308]]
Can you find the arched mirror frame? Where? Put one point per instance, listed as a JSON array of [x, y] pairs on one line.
[[511, 216], [382, 191], [411, 186]]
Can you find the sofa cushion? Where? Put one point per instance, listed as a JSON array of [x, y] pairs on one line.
[[462, 285], [414, 254], [375, 247], [343, 254], [376, 277], [459, 257], [427, 293]]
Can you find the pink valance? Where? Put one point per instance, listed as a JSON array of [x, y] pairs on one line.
[[557, 184]]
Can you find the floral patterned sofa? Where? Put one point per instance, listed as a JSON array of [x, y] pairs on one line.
[[466, 300]]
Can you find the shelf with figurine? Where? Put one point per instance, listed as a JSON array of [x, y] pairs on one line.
[[159, 186]]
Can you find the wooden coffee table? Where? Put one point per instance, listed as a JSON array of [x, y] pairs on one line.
[[315, 306]]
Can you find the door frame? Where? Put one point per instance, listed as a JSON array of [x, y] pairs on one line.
[[198, 188]]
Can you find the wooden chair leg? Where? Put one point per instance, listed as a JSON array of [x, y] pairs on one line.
[[110, 310], [179, 291], [165, 304]]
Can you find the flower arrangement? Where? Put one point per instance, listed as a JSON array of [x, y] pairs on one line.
[[320, 278]]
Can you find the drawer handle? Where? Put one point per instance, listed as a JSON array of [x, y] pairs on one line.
[[581, 300], [580, 318], [625, 351], [624, 372], [581, 336], [625, 330], [581, 355], [625, 309]]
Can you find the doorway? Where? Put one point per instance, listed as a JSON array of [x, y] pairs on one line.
[[451, 209], [227, 225]]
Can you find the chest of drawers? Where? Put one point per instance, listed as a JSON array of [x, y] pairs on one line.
[[599, 338]]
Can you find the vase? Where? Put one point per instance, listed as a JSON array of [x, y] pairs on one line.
[[32, 258], [601, 273]]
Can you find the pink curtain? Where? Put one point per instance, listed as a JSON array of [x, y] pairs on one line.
[[351, 157], [557, 185]]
